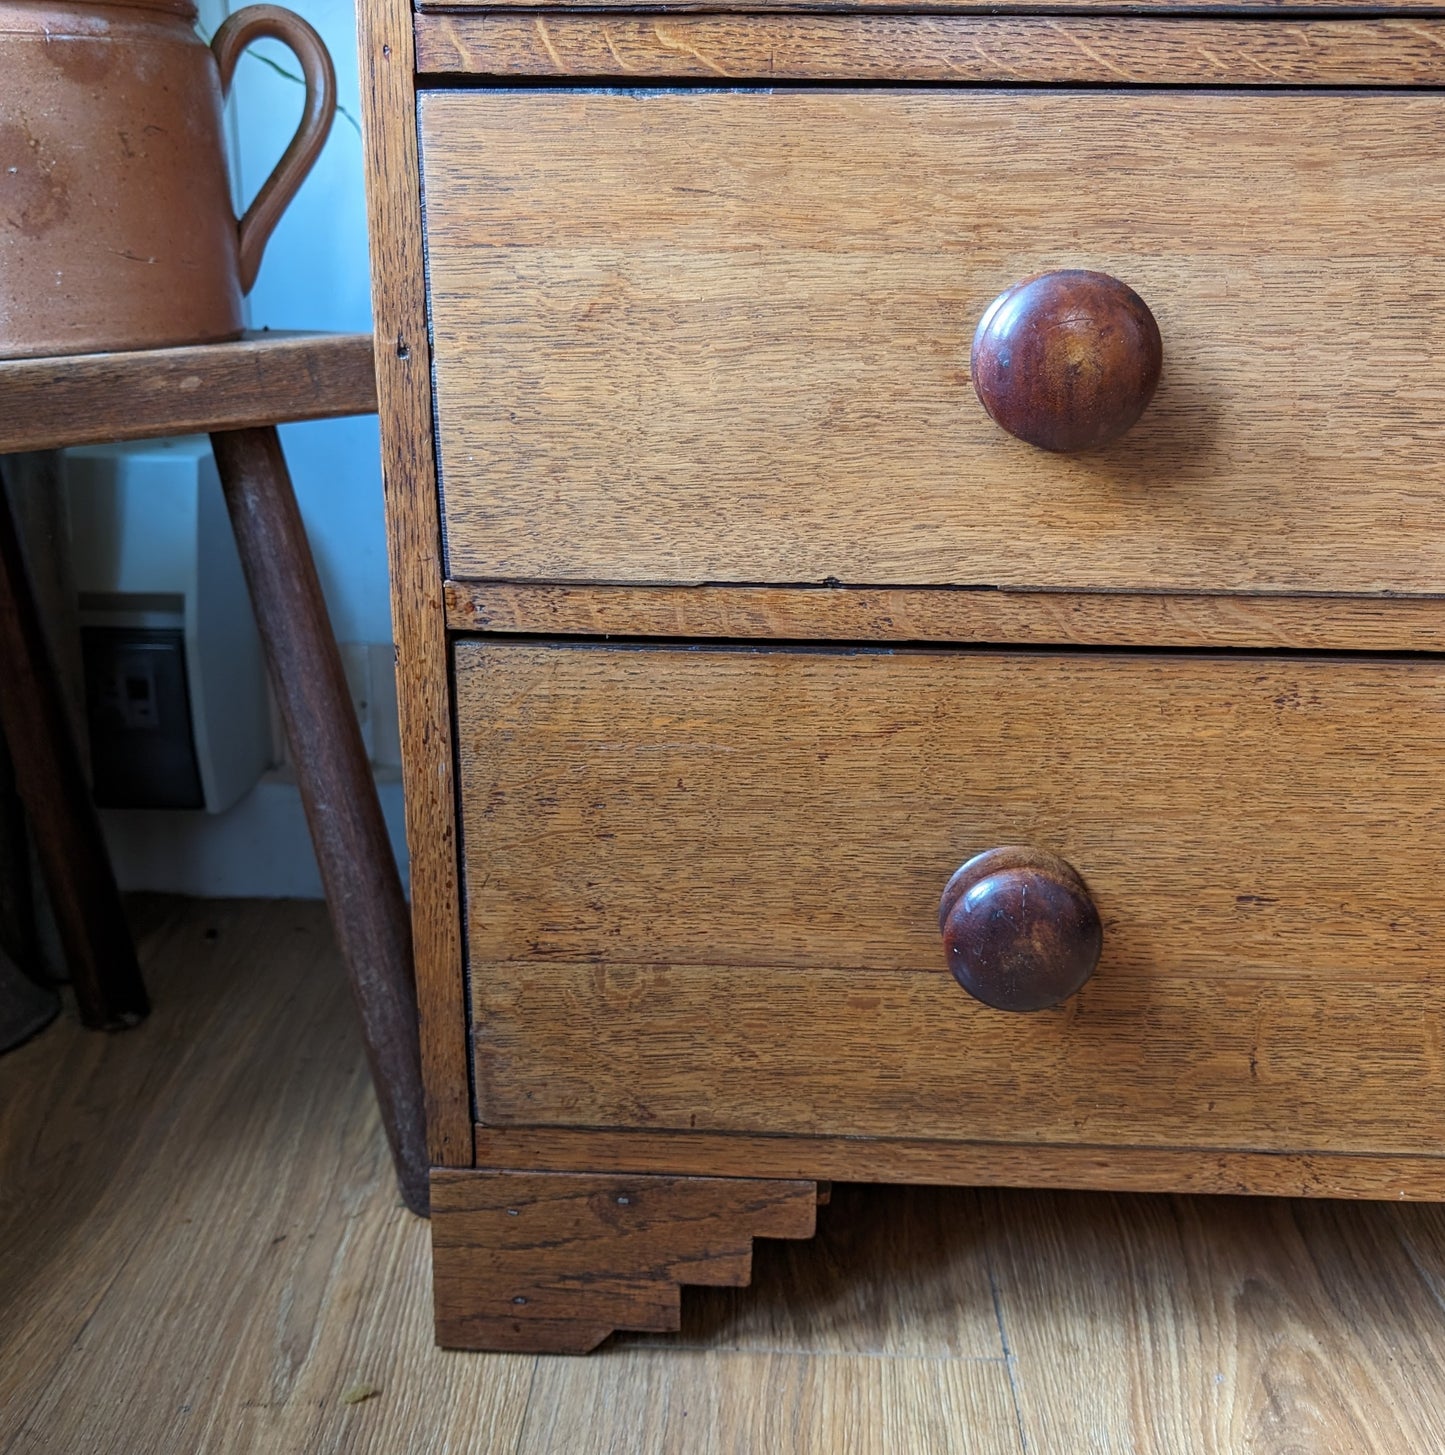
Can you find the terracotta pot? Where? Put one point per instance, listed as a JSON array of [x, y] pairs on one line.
[[116, 227]]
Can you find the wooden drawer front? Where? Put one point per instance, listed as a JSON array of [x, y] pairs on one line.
[[702, 888], [699, 336]]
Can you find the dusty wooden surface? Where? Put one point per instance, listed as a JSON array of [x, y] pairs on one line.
[[960, 49], [732, 330], [414, 548], [1028, 618], [264, 378], [202, 1250]]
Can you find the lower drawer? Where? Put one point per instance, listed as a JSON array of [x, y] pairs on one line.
[[702, 888]]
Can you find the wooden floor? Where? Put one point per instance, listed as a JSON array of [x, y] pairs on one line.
[[201, 1250]]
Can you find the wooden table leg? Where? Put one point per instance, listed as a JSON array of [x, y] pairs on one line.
[[363, 888], [93, 930]]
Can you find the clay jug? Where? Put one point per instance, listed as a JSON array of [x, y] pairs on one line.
[[116, 225]]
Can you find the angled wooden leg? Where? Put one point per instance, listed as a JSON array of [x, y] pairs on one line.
[[363, 888], [93, 931], [553, 1262]]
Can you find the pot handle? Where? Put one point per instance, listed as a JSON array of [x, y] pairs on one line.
[[257, 22]]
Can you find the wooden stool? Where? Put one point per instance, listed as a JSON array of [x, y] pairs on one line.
[[237, 393]]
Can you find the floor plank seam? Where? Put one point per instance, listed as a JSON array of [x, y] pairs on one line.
[[70, 1351], [527, 1405], [1431, 1286], [1009, 1364]]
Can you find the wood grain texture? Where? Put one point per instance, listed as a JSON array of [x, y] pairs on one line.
[[684, 861], [1037, 618], [264, 378], [1244, 1372], [845, 1405], [550, 1262], [338, 790], [772, 313], [230, 1147], [1305, 1064], [962, 49], [971, 1164], [414, 548], [805, 808]]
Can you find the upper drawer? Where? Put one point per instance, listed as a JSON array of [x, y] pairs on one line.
[[724, 336]]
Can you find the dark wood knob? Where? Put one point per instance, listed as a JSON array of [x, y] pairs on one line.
[[1020, 929], [1068, 360]]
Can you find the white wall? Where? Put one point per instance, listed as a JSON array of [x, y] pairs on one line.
[[314, 275]]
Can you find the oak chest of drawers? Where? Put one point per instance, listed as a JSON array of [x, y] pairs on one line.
[[808, 776]]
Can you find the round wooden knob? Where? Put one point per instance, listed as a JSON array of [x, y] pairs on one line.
[[1068, 360], [1020, 929]]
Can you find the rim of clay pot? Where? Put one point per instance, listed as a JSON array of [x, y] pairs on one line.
[[10, 10], [173, 7]]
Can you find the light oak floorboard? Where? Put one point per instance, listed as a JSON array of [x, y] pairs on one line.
[[703, 1403], [201, 1249], [1220, 1325]]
